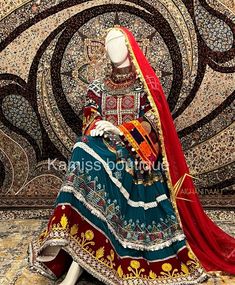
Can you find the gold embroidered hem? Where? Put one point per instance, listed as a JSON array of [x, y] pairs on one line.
[[90, 247]]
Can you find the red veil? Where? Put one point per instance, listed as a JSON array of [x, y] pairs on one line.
[[214, 248]]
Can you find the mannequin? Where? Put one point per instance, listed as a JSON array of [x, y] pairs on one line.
[[118, 53], [121, 221]]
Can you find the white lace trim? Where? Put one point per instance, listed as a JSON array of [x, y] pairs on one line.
[[124, 243], [38, 266], [125, 193], [161, 198]]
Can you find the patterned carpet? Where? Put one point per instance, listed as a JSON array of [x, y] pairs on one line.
[[16, 231]]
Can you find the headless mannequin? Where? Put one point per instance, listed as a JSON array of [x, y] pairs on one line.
[[118, 53]]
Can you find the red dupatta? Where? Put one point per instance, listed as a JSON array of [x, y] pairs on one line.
[[214, 248]]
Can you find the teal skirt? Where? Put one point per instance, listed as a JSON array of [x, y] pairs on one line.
[[117, 220]]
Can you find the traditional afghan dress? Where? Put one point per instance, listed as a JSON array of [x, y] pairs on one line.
[[116, 213]]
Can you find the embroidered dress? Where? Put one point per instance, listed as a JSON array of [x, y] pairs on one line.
[[116, 220], [123, 212]]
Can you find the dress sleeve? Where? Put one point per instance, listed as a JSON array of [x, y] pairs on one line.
[[141, 135], [91, 112]]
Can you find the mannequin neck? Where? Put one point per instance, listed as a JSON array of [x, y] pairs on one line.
[[123, 75], [125, 63]]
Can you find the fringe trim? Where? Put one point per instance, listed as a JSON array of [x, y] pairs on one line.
[[125, 193], [110, 277], [107, 281], [125, 244]]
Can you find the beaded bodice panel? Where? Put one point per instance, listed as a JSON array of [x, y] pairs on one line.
[[119, 105], [118, 109]]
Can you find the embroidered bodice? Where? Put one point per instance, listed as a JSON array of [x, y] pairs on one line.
[[117, 106], [124, 105], [118, 109]]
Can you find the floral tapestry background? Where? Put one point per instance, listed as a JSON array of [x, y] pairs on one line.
[[51, 50]]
